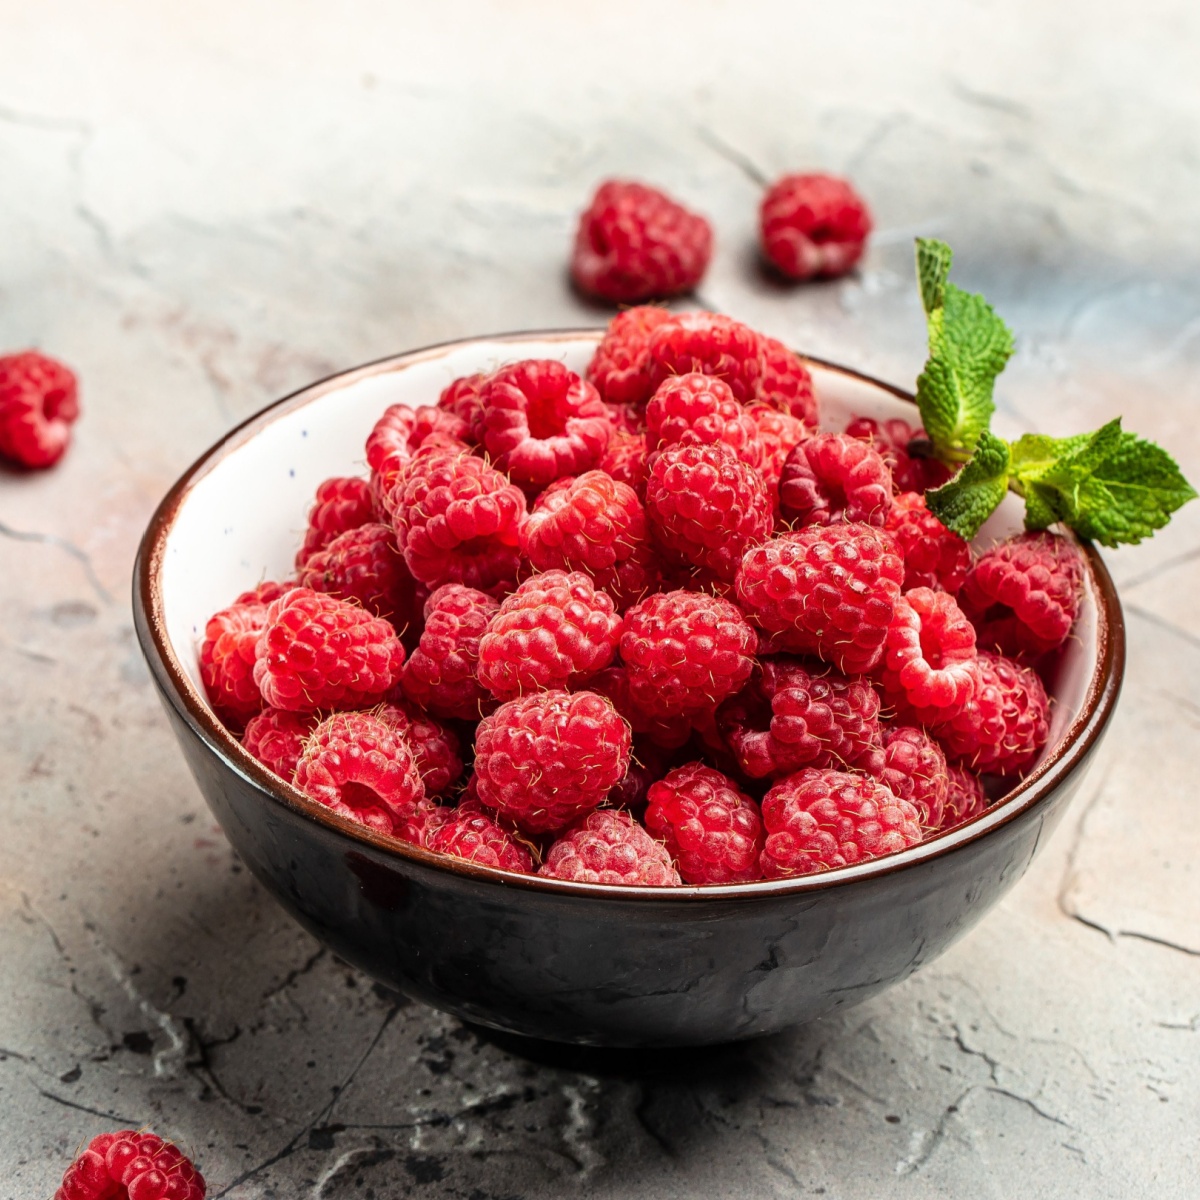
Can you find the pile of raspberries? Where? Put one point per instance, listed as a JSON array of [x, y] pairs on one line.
[[647, 626]]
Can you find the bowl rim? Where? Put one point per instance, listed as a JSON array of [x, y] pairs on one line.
[[1077, 742]]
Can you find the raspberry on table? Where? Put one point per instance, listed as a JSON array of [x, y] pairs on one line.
[[621, 369], [360, 765], [712, 830], [698, 410], [706, 506], [276, 738], [597, 525], [914, 767], [779, 434], [458, 520], [897, 442], [555, 631], [1005, 723], [227, 657], [440, 674], [1023, 595], [318, 652], [828, 590], [609, 846], [363, 565], [965, 798], [785, 383], [635, 243], [817, 820], [469, 833], [934, 556], [538, 421], [813, 226], [831, 477], [39, 402], [708, 344], [549, 757], [342, 503], [927, 670], [793, 715], [131, 1164], [435, 747], [685, 652], [624, 458]]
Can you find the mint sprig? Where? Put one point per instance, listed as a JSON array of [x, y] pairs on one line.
[[1110, 485]]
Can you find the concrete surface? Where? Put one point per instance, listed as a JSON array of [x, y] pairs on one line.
[[203, 207]]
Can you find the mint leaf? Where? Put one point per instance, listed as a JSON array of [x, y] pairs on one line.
[[972, 495], [933, 268]]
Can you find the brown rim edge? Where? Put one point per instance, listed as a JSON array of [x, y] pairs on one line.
[[1076, 744]]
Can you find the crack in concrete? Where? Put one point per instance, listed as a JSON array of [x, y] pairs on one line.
[[1163, 568], [68, 547], [1162, 623], [116, 1118], [926, 1141], [296, 972], [1041, 1112], [735, 157]]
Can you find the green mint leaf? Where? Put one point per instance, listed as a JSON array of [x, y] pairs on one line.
[[933, 268], [967, 500]]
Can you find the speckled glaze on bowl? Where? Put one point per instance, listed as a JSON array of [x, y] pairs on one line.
[[543, 958]]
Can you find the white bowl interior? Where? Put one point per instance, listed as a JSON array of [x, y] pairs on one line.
[[244, 514]]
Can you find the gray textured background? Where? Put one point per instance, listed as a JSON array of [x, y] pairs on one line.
[[203, 209]]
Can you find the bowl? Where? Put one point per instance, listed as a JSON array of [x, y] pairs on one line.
[[545, 958]]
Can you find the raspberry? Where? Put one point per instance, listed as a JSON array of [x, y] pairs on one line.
[[625, 460], [828, 590], [131, 1165], [779, 434], [831, 477], [684, 652], [914, 768], [813, 226], [934, 556], [342, 503], [610, 847], [786, 383], [707, 506], [440, 675], [435, 748], [964, 798], [545, 759], [319, 652], [461, 398], [596, 525], [620, 369], [712, 830], [471, 834], [1004, 724], [539, 421], [625, 418], [818, 820], [897, 443], [709, 344], [927, 667], [648, 763], [276, 738], [266, 591], [365, 566], [664, 732], [698, 410], [635, 243], [401, 432], [39, 402], [458, 520], [359, 765], [227, 657], [791, 716], [555, 631], [1023, 595]]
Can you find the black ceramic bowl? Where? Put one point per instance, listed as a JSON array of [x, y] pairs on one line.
[[571, 962]]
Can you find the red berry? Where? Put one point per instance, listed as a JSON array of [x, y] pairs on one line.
[[547, 758], [709, 344], [131, 1165], [39, 402], [625, 460], [276, 738], [1023, 595], [831, 477], [813, 226], [1004, 724], [319, 652], [469, 833], [664, 732], [635, 243], [779, 434], [555, 631], [359, 765], [342, 503], [610, 847], [786, 383], [898, 443], [934, 556], [791, 715], [699, 410], [621, 369], [539, 421], [928, 664], [712, 830], [648, 763], [365, 566], [818, 820], [685, 652], [964, 799], [626, 418], [458, 521], [707, 506], [597, 525], [435, 748], [227, 657], [828, 590], [461, 398], [913, 766], [266, 591], [440, 675]]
